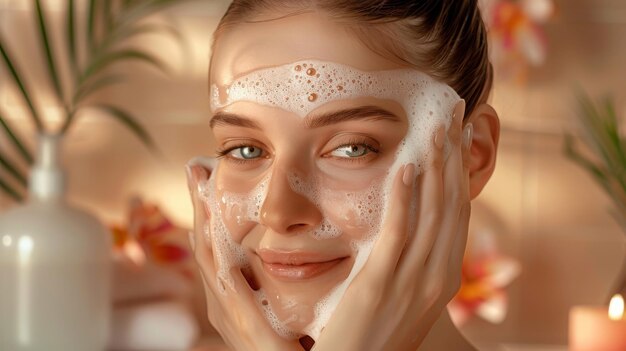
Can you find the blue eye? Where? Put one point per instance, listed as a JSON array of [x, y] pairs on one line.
[[351, 151], [246, 152]]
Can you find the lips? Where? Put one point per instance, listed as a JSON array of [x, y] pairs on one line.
[[296, 265]]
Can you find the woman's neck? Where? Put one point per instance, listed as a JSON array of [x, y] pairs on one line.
[[444, 335]]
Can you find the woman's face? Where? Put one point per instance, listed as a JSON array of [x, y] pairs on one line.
[[317, 177]]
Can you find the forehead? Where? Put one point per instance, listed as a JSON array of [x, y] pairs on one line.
[[249, 46], [302, 87]]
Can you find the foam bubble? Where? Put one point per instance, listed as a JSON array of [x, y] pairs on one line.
[[311, 189], [246, 207]]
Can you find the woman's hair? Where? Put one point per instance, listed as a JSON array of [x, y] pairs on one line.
[[446, 39]]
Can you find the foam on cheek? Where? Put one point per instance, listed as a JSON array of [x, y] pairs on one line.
[[227, 252], [326, 229], [357, 209], [245, 207], [364, 209], [361, 208], [302, 87]]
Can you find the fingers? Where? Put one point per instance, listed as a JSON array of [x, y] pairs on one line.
[[388, 247], [204, 258], [431, 203], [455, 194], [468, 136], [455, 263], [198, 171], [236, 314], [457, 253], [252, 318], [436, 203]]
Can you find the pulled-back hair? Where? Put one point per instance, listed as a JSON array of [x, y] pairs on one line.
[[446, 39]]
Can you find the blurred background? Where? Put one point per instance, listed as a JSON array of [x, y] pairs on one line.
[[540, 211]]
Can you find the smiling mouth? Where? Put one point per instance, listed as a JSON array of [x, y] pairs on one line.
[[296, 266]]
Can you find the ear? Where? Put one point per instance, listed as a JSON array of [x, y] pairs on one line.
[[482, 158]]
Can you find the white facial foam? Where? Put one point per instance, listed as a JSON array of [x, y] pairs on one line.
[[279, 326], [227, 252], [300, 88]]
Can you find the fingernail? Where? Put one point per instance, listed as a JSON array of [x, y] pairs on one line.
[[221, 285], [409, 174], [460, 111], [192, 241], [193, 184], [463, 105], [440, 136], [208, 163], [468, 135]]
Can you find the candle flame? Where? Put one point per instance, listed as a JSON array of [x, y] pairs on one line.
[[616, 307]]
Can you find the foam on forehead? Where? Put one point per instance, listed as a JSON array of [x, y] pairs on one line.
[[303, 86]]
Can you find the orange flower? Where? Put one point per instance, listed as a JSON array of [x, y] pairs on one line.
[[485, 275], [150, 235]]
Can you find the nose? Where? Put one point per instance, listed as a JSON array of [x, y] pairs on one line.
[[286, 211]]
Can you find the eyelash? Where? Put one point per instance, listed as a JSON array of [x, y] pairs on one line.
[[223, 152], [357, 142]]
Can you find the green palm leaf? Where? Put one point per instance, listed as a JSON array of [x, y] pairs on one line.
[[612, 131], [85, 90], [596, 172], [71, 37], [15, 140], [18, 81], [10, 191], [145, 8], [91, 24], [12, 169], [119, 56], [602, 131], [131, 122], [128, 32], [107, 25], [107, 14], [607, 163], [43, 31]]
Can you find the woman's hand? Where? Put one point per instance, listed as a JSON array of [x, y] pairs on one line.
[[404, 286], [235, 314]]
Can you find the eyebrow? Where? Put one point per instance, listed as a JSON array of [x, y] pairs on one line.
[[371, 113], [231, 119]]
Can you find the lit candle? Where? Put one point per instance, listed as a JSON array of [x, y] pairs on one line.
[[598, 328]]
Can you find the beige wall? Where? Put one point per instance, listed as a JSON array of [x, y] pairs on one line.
[[554, 218]]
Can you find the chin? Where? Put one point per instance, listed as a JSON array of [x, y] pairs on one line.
[[293, 291]]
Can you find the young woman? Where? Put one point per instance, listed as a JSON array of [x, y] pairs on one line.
[[352, 136]]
